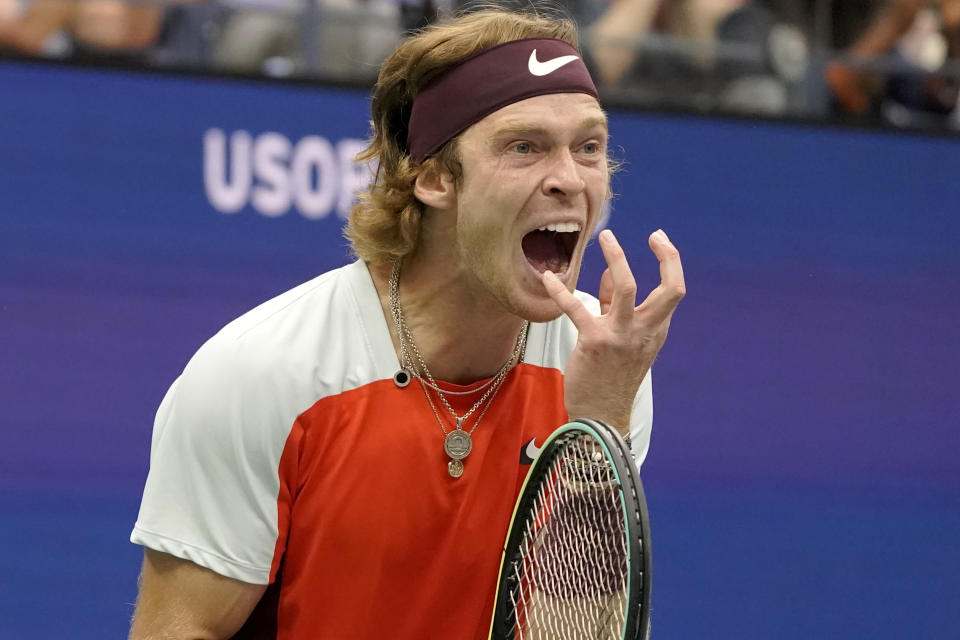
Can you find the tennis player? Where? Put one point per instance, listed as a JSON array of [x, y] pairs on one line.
[[342, 461]]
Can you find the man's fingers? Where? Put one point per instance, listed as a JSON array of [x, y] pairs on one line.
[[671, 269], [567, 302], [665, 298], [659, 305], [623, 284], [605, 296]]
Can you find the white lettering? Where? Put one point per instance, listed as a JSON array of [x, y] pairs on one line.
[[314, 152], [272, 174], [226, 194], [271, 195]]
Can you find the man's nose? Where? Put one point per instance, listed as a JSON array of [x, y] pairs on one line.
[[563, 175]]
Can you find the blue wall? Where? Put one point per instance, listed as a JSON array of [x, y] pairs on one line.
[[804, 477]]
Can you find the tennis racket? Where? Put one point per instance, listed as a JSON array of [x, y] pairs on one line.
[[576, 562]]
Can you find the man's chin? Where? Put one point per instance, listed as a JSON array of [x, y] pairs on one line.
[[539, 311], [536, 305]]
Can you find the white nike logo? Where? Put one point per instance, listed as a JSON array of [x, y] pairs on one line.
[[532, 450], [538, 68]]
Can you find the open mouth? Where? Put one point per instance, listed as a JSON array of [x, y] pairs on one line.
[[551, 247]]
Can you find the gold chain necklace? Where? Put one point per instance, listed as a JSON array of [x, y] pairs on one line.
[[457, 443]]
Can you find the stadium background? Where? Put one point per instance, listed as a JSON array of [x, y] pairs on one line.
[[804, 476]]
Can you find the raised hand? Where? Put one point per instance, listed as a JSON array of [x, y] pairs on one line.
[[616, 349]]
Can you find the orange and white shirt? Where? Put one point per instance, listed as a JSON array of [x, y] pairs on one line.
[[286, 455]]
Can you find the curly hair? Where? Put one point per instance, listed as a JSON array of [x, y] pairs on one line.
[[384, 225]]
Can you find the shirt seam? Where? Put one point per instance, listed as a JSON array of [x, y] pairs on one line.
[[214, 554], [320, 281]]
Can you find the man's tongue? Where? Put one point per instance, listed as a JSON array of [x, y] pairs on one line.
[[544, 250]]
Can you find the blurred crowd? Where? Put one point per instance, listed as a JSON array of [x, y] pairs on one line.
[[886, 61]]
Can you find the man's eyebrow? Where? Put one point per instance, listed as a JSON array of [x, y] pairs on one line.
[[520, 128], [535, 128], [595, 121]]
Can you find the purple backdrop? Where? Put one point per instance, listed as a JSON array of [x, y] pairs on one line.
[[804, 478]]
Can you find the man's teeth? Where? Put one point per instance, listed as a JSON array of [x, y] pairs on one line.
[[561, 227]]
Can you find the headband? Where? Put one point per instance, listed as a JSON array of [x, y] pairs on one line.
[[488, 81]]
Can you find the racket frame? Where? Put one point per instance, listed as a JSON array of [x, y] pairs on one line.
[[634, 513]]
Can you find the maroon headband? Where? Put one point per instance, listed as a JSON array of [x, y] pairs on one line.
[[490, 80]]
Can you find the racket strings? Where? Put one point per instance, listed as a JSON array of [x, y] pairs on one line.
[[570, 580]]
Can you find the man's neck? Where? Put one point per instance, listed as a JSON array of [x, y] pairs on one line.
[[462, 335]]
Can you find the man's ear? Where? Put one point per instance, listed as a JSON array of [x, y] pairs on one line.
[[435, 188]]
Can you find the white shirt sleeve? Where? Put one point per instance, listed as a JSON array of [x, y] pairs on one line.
[[211, 494]]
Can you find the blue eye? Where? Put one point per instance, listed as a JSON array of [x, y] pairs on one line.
[[591, 148], [522, 147]]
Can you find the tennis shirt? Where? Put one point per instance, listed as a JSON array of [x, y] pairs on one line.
[[285, 454]]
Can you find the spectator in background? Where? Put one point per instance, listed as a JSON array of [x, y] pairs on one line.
[[259, 35], [615, 28], [81, 27], [613, 36], [857, 89], [614, 31], [347, 38], [278, 37]]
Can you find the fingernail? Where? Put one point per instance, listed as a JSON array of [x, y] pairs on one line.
[[661, 236], [549, 274], [607, 235]]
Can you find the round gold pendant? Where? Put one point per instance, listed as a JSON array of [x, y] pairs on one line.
[[458, 444], [455, 468]]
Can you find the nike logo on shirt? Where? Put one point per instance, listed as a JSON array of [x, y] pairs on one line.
[[546, 67], [529, 452]]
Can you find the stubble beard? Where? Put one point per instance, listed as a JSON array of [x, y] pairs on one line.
[[494, 279]]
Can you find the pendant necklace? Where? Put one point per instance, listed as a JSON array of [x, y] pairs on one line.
[[457, 442]]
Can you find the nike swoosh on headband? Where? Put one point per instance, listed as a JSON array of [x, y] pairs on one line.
[[547, 67]]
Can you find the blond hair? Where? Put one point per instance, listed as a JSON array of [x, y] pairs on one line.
[[385, 225]]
